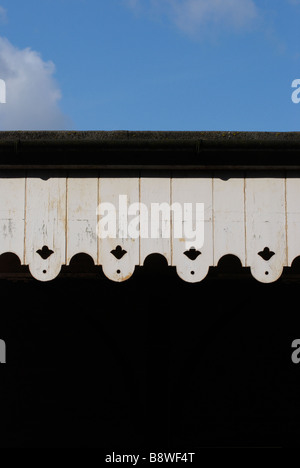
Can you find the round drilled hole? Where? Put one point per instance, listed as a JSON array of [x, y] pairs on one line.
[[44, 271], [266, 272], [118, 271], [192, 272]]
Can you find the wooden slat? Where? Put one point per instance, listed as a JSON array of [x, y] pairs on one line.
[[45, 226], [12, 214], [229, 222], [155, 190], [265, 226], [293, 215], [110, 189], [82, 196], [260, 214], [194, 190]]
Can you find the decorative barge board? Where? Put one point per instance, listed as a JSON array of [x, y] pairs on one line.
[[53, 185]]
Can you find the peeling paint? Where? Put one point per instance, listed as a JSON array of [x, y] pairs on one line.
[[243, 216]]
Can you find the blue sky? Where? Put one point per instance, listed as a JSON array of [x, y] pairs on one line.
[[150, 64]]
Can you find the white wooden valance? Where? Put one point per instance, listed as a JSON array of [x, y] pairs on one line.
[[45, 222]]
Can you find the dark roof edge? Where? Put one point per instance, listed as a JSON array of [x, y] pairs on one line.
[[149, 150], [121, 135]]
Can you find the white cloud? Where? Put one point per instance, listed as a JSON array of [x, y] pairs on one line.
[[3, 16], [191, 15], [32, 94], [133, 3]]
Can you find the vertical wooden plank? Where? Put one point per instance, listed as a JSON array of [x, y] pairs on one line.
[[293, 215], [82, 202], [156, 190], [193, 266], [12, 214], [229, 216], [118, 256], [265, 226], [45, 237]]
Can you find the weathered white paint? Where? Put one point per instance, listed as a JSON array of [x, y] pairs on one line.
[[244, 216], [45, 226], [229, 217], [155, 190], [118, 269], [293, 216], [265, 226], [197, 190], [12, 214], [82, 201]]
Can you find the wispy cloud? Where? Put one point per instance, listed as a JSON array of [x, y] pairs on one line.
[[32, 94], [191, 16], [3, 16]]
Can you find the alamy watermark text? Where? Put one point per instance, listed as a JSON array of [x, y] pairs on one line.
[[296, 93], [2, 352], [2, 92], [182, 221]]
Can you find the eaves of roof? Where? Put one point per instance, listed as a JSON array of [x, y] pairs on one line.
[[129, 150]]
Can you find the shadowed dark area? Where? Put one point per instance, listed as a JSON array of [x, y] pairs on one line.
[[10, 263], [230, 263], [153, 362]]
